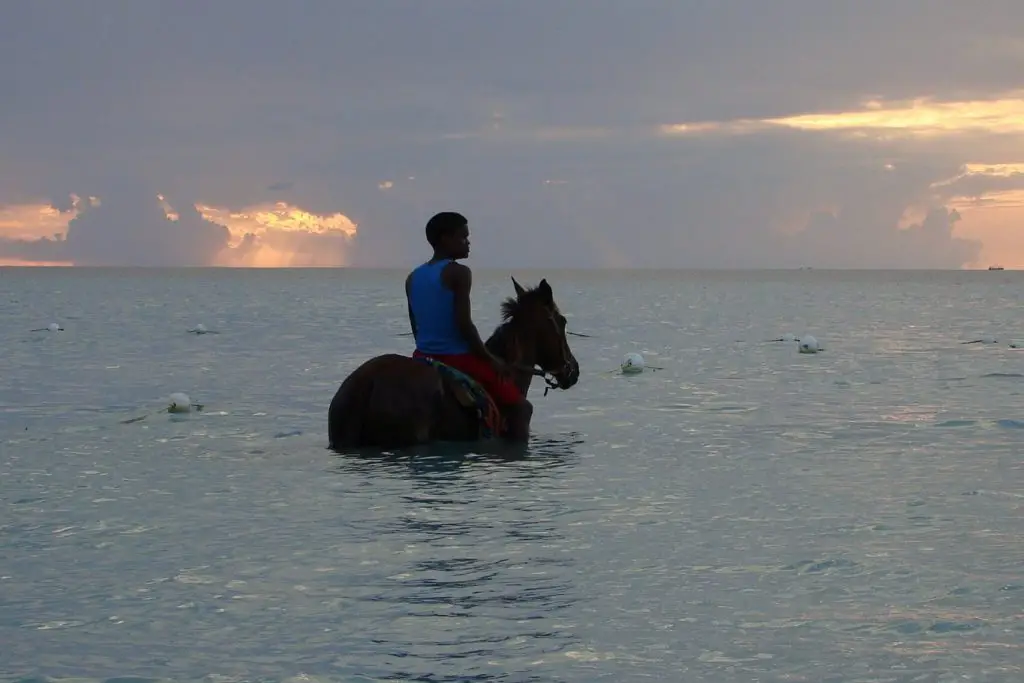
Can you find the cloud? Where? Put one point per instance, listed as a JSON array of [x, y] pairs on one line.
[[919, 117], [679, 133], [33, 221], [127, 228], [144, 228], [280, 235], [852, 237], [988, 185], [781, 197], [697, 202], [132, 228]]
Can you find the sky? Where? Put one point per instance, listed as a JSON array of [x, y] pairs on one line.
[[571, 133]]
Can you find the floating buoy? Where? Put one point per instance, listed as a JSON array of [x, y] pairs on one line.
[[201, 329], [632, 364], [52, 327], [808, 344], [179, 403]]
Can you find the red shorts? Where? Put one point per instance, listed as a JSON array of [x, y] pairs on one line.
[[503, 391]]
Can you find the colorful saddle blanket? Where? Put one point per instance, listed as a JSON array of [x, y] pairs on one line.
[[472, 396]]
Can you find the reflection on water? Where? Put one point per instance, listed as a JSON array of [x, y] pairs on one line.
[[467, 546], [542, 452]]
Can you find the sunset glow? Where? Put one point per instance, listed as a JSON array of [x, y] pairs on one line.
[[33, 221], [263, 218], [920, 116], [267, 235], [278, 235], [21, 263], [989, 196]]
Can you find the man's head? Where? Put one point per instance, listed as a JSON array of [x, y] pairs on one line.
[[448, 234]]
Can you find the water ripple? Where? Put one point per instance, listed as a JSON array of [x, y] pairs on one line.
[[745, 514]]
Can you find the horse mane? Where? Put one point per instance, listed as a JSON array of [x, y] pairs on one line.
[[511, 306]]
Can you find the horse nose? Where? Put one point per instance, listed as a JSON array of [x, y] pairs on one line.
[[573, 376]]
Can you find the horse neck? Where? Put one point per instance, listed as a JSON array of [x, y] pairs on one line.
[[503, 342]]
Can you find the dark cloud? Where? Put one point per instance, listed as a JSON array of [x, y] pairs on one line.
[[42, 250], [850, 238], [675, 203], [130, 228]]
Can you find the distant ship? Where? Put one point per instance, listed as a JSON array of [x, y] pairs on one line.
[[996, 268]]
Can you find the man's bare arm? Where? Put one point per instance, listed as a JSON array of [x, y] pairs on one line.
[[459, 279], [408, 303]]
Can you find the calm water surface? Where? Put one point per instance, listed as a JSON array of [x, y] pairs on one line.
[[745, 514]]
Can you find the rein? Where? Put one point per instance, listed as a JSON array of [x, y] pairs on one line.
[[548, 378], [501, 334]]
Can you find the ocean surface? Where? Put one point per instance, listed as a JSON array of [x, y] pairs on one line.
[[745, 513]]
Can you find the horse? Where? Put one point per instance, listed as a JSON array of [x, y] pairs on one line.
[[394, 401]]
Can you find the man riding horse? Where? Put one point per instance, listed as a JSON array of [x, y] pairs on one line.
[[454, 387], [439, 312]]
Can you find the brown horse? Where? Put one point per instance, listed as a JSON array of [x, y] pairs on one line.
[[394, 401]]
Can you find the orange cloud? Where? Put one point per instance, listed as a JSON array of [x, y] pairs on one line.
[[993, 186], [268, 235], [989, 196], [278, 235], [917, 117], [921, 116], [33, 221]]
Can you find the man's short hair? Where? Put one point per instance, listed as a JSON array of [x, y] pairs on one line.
[[442, 224]]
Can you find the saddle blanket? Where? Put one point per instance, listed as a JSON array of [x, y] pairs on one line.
[[471, 395]]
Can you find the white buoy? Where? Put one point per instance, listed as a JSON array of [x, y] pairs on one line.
[[54, 327], [201, 329], [179, 403], [632, 364], [808, 344]]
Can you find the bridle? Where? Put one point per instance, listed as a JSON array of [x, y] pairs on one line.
[[550, 378]]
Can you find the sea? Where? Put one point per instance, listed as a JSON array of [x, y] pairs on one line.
[[739, 511]]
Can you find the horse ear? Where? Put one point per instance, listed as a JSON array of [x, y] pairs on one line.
[[519, 288], [545, 289]]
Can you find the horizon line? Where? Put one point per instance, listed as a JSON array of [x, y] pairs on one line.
[[706, 269]]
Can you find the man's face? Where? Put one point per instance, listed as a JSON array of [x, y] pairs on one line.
[[458, 243]]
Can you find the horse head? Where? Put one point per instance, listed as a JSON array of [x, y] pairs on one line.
[[533, 334]]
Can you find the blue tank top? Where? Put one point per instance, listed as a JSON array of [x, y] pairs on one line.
[[433, 308]]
